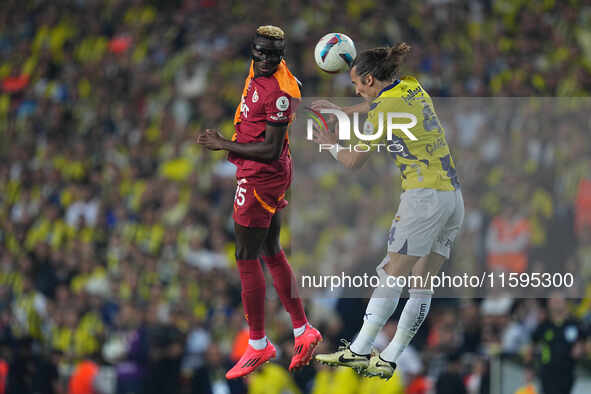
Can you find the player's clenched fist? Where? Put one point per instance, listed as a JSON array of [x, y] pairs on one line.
[[324, 136], [211, 139]]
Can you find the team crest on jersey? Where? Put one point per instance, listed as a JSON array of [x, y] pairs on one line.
[[367, 127], [282, 103], [255, 96]]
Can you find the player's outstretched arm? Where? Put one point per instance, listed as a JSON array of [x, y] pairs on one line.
[[350, 159], [361, 108], [268, 150]]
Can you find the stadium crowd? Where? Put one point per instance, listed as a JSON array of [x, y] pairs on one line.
[[116, 253]]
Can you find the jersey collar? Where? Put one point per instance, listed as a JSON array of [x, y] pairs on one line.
[[374, 104], [388, 87]]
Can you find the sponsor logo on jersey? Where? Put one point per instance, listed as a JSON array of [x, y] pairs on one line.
[[439, 143], [279, 116], [244, 108], [397, 147], [255, 96], [412, 93]]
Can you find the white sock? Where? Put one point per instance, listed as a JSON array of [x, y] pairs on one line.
[[299, 331], [413, 315], [380, 307], [258, 344]]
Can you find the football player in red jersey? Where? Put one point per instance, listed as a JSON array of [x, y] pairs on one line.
[[260, 151]]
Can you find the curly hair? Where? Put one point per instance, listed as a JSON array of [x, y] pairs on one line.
[[382, 63], [272, 32]]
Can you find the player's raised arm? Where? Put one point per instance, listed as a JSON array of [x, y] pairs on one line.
[[268, 150], [361, 108], [350, 159]]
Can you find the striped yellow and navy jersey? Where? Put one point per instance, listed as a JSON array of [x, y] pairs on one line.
[[425, 162]]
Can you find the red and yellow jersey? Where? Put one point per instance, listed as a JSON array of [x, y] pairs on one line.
[[265, 100]]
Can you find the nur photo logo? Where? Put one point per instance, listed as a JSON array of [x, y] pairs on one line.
[[348, 127]]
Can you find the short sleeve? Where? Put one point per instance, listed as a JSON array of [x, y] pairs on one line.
[[278, 108]]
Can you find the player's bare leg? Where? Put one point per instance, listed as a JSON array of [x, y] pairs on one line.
[[400, 264], [306, 336], [249, 241], [428, 266]]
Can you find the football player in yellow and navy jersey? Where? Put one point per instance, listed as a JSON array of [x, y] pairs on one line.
[[426, 161], [431, 207]]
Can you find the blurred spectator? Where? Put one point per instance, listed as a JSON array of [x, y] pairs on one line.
[[517, 336], [84, 379], [560, 341], [451, 381], [165, 351], [528, 387], [507, 241], [82, 207], [209, 376], [583, 206], [478, 379], [471, 327]]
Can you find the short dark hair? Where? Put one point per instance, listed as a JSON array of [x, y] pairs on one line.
[[381, 63]]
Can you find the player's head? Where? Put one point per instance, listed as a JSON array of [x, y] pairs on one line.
[[376, 68], [268, 48]]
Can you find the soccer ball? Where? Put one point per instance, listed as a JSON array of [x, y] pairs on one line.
[[335, 52]]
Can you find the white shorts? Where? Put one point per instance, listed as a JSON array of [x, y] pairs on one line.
[[427, 220]]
